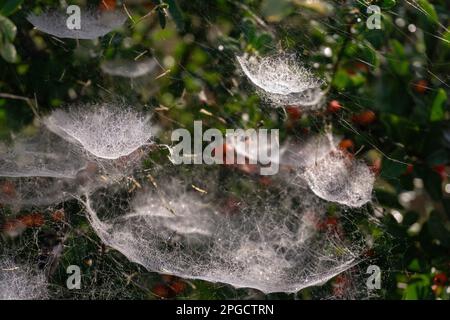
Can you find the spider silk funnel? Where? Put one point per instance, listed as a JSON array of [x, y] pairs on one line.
[[339, 178], [270, 246], [93, 24], [282, 80], [107, 131], [329, 172]]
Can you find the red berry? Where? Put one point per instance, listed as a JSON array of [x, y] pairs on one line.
[[294, 112], [440, 279], [331, 221], [162, 291], [362, 67], [107, 5], [13, 228], [58, 215], [440, 169], [364, 118], [409, 169], [347, 145], [32, 220], [420, 86], [340, 285], [351, 71], [178, 286], [334, 106], [328, 224]]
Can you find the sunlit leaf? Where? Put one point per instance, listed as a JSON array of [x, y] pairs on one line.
[[176, 14], [438, 107], [7, 7], [7, 29], [8, 52], [429, 10]]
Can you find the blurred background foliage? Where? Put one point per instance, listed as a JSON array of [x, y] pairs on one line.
[[387, 98]]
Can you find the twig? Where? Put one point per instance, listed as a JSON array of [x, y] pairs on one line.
[[34, 107]]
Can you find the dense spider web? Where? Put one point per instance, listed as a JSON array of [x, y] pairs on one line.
[[267, 241], [21, 281], [282, 81], [74, 151], [93, 24]]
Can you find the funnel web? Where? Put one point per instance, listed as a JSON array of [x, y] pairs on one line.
[[93, 24], [106, 131], [256, 244], [283, 81]]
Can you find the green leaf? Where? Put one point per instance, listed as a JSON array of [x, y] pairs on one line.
[[162, 17], [341, 80], [388, 4], [8, 7], [415, 266], [393, 169], [397, 58], [403, 130], [418, 288], [7, 29], [8, 52], [430, 12], [176, 14], [369, 54], [261, 42], [363, 51], [446, 38], [438, 107]]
